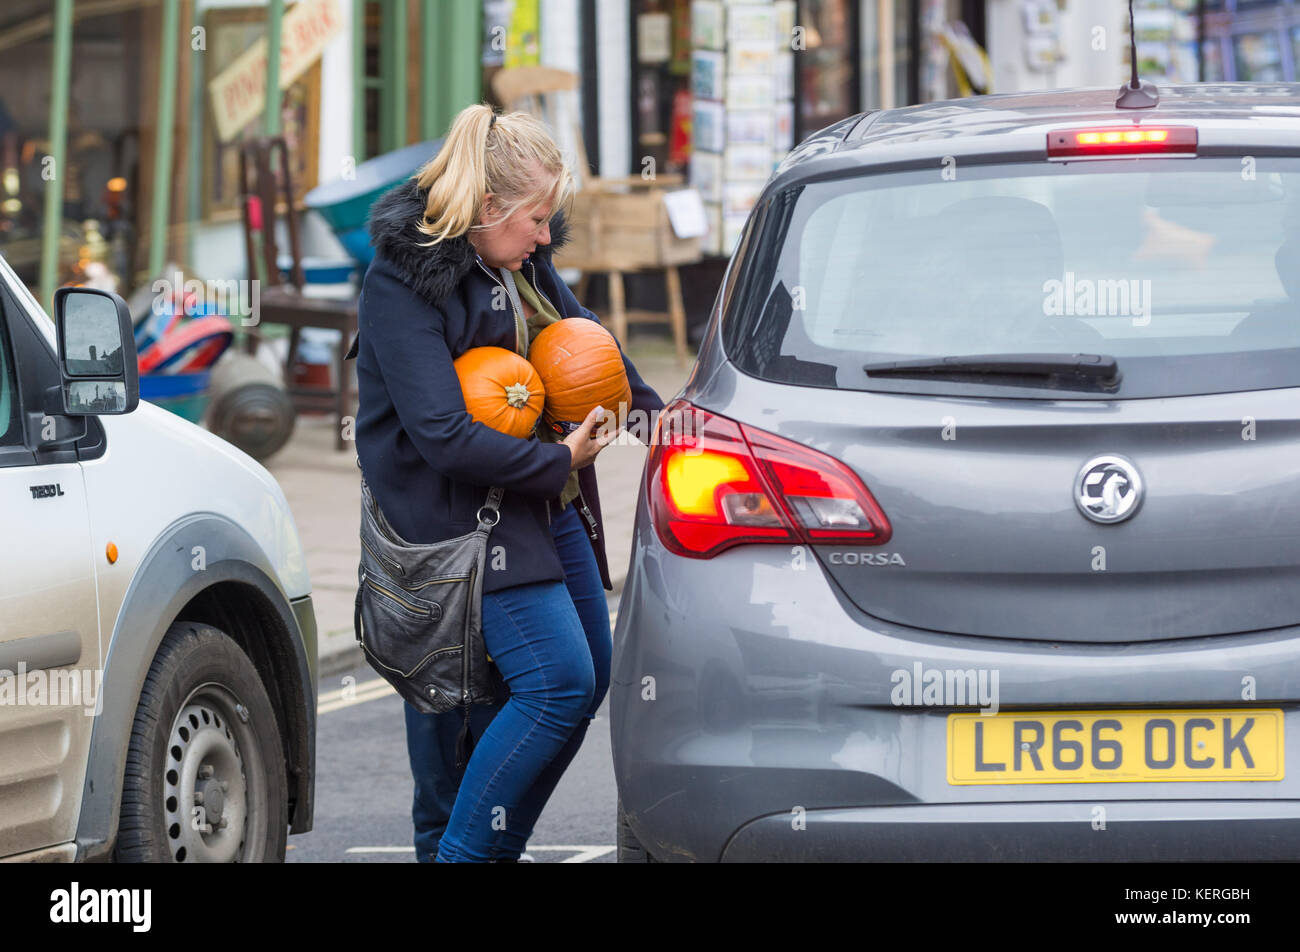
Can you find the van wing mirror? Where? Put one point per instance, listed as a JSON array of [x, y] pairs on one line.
[[97, 361]]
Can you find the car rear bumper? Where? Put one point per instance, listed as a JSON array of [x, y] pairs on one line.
[[1116, 831], [745, 689]]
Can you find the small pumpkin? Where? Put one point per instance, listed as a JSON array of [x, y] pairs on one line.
[[501, 389], [581, 367]]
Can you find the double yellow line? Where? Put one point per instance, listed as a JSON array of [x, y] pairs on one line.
[[352, 694]]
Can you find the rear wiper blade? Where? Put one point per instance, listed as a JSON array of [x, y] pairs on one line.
[[1022, 365]]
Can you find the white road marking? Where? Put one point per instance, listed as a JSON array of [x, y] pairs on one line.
[[587, 854], [583, 854]]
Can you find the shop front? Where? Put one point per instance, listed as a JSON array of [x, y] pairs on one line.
[[721, 90], [122, 121], [76, 93], [1256, 41]]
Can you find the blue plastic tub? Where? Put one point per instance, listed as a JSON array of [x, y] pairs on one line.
[[186, 395], [357, 244], [345, 203]]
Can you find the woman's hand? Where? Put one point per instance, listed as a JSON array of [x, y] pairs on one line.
[[583, 446]]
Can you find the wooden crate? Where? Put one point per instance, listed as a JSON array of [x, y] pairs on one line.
[[623, 231]]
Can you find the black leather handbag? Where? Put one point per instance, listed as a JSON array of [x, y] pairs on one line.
[[419, 612]]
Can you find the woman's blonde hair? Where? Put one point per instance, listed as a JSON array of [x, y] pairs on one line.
[[513, 157]]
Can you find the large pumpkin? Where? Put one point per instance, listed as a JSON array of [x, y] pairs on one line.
[[501, 389], [581, 367]]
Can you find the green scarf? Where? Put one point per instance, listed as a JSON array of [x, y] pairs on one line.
[[546, 316]]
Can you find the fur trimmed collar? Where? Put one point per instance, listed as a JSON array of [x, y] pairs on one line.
[[433, 273]]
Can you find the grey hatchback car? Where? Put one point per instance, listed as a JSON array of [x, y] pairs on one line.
[[975, 532]]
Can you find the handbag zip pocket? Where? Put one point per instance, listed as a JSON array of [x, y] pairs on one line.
[[400, 570], [409, 606], [439, 580], [423, 661], [382, 559]]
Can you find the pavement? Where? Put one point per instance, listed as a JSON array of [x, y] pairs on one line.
[[324, 491]]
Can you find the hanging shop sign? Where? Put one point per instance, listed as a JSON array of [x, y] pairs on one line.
[[238, 93], [523, 40], [971, 66], [654, 33], [1042, 43]]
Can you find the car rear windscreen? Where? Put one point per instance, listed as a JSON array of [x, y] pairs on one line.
[[1185, 271]]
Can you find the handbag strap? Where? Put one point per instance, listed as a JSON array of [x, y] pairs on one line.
[[492, 505]]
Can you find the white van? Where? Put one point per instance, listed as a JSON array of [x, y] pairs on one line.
[[157, 639]]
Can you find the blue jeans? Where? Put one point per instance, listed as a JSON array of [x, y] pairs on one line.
[[551, 643]]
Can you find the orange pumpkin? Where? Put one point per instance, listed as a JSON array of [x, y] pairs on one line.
[[581, 367], [501, 389]]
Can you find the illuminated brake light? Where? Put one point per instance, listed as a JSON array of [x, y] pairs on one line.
[[1125, 140], [693, 479], [712, 483]]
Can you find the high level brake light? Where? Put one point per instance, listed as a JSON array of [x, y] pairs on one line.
[[712, 483], [1121, 140]]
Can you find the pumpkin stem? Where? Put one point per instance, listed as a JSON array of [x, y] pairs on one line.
[[517, 395]]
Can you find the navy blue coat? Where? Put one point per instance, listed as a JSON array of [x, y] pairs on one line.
[[428, 464]]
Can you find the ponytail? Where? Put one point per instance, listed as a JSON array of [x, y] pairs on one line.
[[512, 156]]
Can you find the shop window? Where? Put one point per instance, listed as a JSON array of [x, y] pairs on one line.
[[662, 72], [828, 66], [230, 33]]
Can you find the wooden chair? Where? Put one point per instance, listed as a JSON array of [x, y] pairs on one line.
[[283, 302], [619, 224]]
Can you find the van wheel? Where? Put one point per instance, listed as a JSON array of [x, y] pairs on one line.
[[630, 849], [205, 780]]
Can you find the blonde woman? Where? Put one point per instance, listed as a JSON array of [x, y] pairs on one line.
[[485, 210]]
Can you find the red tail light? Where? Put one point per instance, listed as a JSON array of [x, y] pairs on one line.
[[1121, 140], [713, 483]]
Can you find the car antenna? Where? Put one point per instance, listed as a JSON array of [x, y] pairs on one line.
[[1135, 94]]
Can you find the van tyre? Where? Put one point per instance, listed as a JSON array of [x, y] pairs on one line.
[[205, 777], [630, 849]]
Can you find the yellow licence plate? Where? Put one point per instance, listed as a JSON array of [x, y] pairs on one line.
[[1114, 746]]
